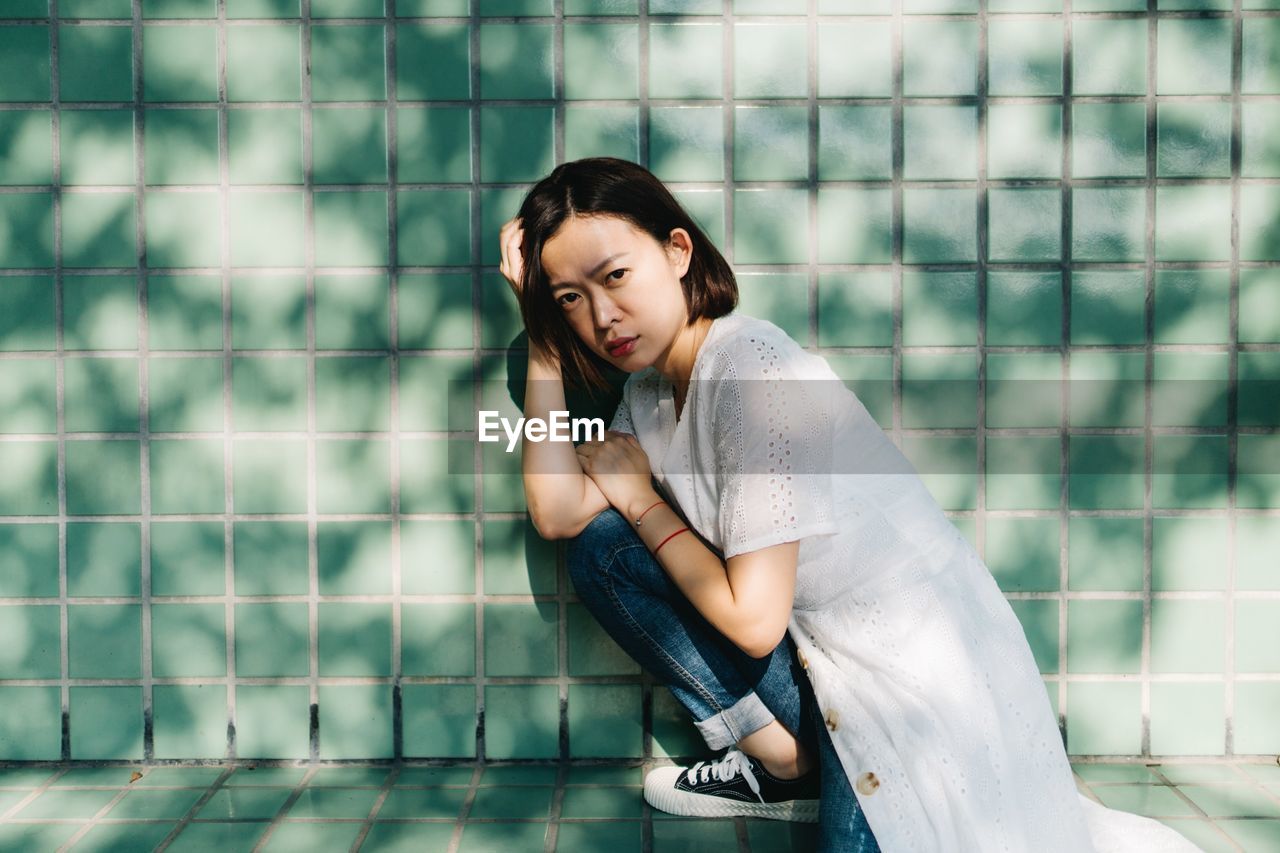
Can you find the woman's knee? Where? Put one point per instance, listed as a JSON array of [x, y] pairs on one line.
[[593, 546]]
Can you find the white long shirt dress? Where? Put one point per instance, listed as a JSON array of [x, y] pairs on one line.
[[920, 667]]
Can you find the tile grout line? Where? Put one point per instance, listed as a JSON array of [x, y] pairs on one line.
[[1233, 390], [1064, 348], [392, 91], [559, 111], [64, 615], [142, 341], [476, 127], [309, 253], [228, 448], [1148, 337]]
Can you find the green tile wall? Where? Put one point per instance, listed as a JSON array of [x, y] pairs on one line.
[[245, 246]]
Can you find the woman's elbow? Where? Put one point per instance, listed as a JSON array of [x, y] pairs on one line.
[[759, 641]]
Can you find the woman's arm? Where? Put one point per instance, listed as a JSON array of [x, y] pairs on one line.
[[748, 600], [561, 498]]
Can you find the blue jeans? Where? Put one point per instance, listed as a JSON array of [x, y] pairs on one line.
[[729, 693]]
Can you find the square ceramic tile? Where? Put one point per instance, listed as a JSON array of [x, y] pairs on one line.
[[1193, 56], [1024, 57], [26, 309], [32, 559], [188, 640], [863, 73], [355, 639], [347, 62], [1189, 472], [266, 229], [1024, 140], [31, 215], [354, 557], [516, 143], [433, 144], [99, 229], [1109, 224], [269, 475], [268, 312], [1109, 56], [1024, 225], [353, 476], [940, 58], [97, 146], [353, 394], [433, 61], [355, 721], [190, 720], [940, 226], [349, 145], [939, 391], [438, 639], [179, 63], [600, 60], [1105, 553], [103, 477], [855, 309], [605, 720], [351, 228], [94, 61], [520, 639], [1104, 636], [270, 557], [770, 143], [26, 63], [264, 63], [188, 558], [183, 229], [1190, 224], [1039, 620], [758, 237], [769, 60], [439, 721], [515, 61], [434, 227], [272, 721], [272, 640], [184, 312], [39, 626], [521, 721], [265, 146], [687, 143], [686, 59], [106, 722]]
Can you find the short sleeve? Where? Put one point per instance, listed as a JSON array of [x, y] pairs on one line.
[[773, 446], [622, 417]]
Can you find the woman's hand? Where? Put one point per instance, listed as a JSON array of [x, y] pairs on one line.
[[619, 466], [512, 267]]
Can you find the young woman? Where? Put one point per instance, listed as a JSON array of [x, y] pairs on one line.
[[790, 577]]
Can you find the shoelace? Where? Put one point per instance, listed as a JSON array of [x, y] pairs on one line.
[[733, 763]]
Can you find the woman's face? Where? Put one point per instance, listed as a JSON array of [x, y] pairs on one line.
[[619, 289]]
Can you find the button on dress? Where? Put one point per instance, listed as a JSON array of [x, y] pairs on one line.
[[924, 677]]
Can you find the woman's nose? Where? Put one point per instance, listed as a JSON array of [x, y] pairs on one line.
[[605, 311]]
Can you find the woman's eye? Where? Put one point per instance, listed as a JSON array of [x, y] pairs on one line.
[[620, 272], [573, 297]]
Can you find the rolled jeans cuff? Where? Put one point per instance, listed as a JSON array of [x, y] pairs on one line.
[[731, 725]]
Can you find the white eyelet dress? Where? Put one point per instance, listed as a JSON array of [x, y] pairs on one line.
[[921, 669]]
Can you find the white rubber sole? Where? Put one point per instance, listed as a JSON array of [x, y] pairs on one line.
[[660, 792]]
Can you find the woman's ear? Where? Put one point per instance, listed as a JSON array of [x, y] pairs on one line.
[[680, 251]]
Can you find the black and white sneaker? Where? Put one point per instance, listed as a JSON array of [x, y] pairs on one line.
[[737, 784]]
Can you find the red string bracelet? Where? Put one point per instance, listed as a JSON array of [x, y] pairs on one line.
[[668, 539], [649, 507]]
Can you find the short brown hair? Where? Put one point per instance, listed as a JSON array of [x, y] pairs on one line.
[[607, 186]]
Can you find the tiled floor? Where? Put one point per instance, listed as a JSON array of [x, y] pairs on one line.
[[508, 808]]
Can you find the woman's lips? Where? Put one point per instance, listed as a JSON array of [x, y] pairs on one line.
[[621, 347]]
